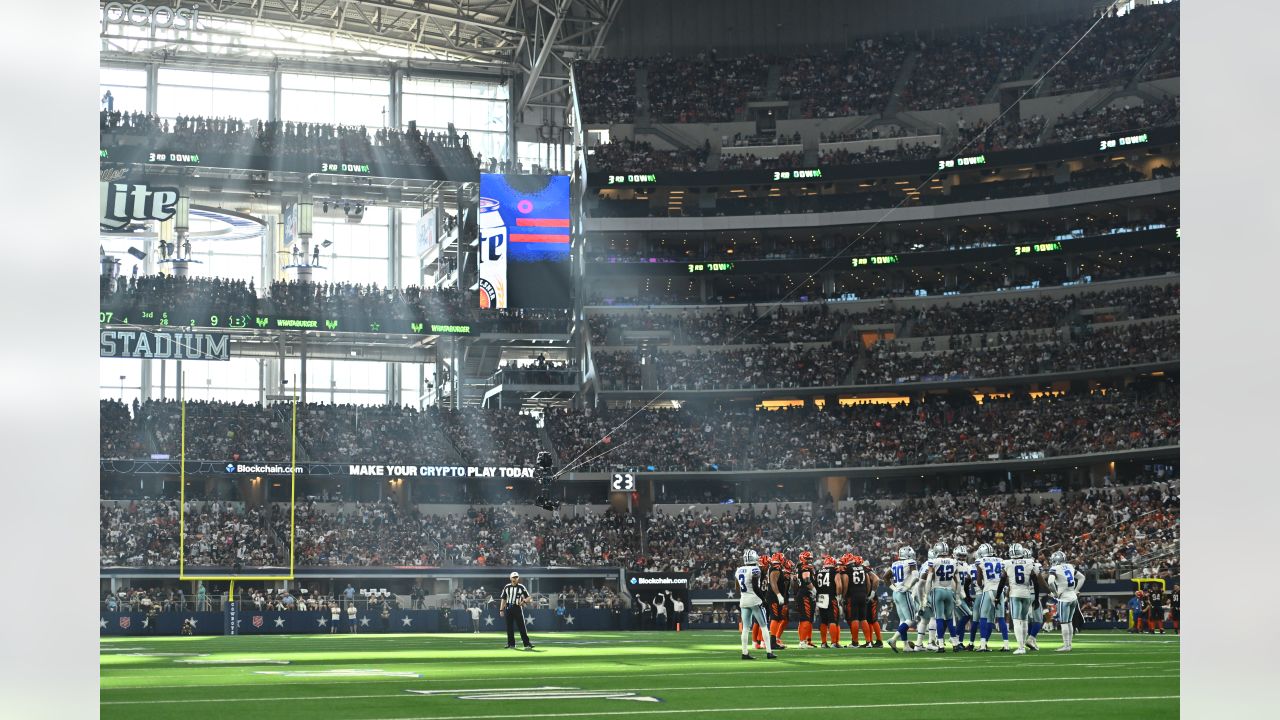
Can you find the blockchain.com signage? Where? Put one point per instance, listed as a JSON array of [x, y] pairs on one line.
[[381, 470]]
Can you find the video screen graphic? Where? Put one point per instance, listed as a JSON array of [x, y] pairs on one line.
[[524, 241]]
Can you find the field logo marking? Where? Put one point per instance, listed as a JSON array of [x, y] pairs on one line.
[[538, 693]]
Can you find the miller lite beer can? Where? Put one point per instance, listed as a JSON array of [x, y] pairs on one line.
[[492, 256]]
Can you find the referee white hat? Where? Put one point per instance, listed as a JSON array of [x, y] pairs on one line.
[[515, 575]]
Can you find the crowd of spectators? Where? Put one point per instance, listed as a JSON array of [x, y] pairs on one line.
[[704, 88], [936, 431], [855, 81], [958, 71], [876, 154], [1005, 134], [636, 156], [747, 325], [792, 366], [830, 242], [607, 90], [1104, 531], [750, 161], [952, 71], [1002, 315], [290, 139], [1110, 53], [1007, 354], [355, 307], [1111, 120], [248, 432]]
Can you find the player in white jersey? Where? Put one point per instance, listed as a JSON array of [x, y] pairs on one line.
[[990, 607], [1020, 576], [925, 633], [1064, 582], [968, 577], [905, 576], [747, 578], [944, 586]]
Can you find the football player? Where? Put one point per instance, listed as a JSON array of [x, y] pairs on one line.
[[1020, 577], [857, 587], [806, 586], [990, 607], [827, 600], [905, 577], [1155, 613], [968, 575], [777, 597], [926, 636], [1175, 608], [944, 580], [750, 599], [757, 633], [1064, 581]]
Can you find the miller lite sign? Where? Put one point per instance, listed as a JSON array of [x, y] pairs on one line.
[[121, 203]]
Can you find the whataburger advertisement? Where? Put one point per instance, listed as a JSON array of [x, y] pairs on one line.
[[524, 241]]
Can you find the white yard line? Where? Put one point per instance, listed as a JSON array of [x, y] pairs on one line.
[[682, 688], [780, 671]]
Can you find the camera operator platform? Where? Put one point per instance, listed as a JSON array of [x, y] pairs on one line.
[[514, 598], [545, 473]]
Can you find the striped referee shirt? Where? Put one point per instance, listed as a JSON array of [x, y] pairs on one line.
[[513, 594]]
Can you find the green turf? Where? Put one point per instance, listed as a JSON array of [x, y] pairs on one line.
[[692, 673]]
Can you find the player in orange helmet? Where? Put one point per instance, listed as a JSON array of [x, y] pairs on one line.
[[805, 584], [827, 601], [757, 632], [778, 599]]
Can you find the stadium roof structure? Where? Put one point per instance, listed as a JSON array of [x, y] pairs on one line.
[[532, 40]]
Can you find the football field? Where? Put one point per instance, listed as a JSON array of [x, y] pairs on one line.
[[618, 674]]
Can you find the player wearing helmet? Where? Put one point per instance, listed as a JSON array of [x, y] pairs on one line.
[[968, 575], [826, 604], [806, 583], [750, 599], [905, 577], [990, 606], [757, 632], [1021, 576], [1065, 581], [926, 635], [857, 587], [944, 580], [777, 597]]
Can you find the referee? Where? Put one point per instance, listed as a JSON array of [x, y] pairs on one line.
[[514, 597]]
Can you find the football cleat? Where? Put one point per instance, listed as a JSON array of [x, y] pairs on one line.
[[1019, 651], [771, 656], [893, 645], [747, 657], [1064, 648]]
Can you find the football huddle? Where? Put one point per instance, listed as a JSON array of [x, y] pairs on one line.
[[940, 599]]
